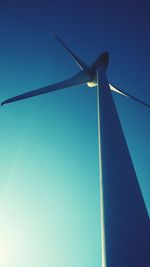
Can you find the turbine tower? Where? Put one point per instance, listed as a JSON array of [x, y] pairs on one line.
[[125, 226]]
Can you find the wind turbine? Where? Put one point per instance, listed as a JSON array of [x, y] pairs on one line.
[[125, 226]]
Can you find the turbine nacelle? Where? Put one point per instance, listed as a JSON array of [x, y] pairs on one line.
[[103, 61]]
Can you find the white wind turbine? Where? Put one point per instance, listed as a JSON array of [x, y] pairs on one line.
[[125, 226]]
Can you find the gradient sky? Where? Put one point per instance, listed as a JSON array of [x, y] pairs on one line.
[[49, 173]]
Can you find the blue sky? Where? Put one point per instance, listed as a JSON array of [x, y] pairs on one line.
[[49, 177]]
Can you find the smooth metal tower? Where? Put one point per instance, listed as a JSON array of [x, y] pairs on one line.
[[124, 218]]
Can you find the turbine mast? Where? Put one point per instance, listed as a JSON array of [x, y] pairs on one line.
[[125, 222]]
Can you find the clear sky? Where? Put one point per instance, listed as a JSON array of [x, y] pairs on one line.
[[49, 173]]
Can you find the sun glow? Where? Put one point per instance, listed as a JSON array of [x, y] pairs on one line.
[[3, 255], [12, 245]]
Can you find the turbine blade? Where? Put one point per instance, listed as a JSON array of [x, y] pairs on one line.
[[80, 78], [128, 95], [79, 62]]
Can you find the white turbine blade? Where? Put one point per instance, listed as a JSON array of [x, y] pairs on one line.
[[114, 89], [78, 79], [79, 62]]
